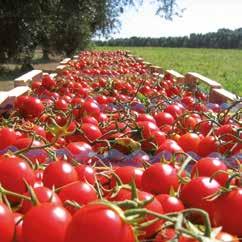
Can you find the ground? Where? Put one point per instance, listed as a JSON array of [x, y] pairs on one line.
[[10, 71]]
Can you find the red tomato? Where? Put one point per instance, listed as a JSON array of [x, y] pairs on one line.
[[169, 203], [147, 128], [90, 108], [58, 174], [30, 107], [43, 195], [7, 137], [189, 142], [45, 223], [194, 193], [61, 104], [170, 145], [100, 223], [127, 174], [159, 178], [86, 173], [91, 132], [79, 192], [13, 172], [81, 150], [154, 205], [18, 219], [207, 146], [208, 166], [145, 117], [174, 109], [6, 224], [48, 82], [228, 212]]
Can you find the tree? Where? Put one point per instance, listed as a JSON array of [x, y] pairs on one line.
[[62, 26]]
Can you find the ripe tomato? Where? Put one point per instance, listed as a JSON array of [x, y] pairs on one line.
[[46, 223], [207, 146], [6, 224], [58, 174], [80, 150], [159, 178], [44, 195], [48, 82], [145, 117], [86, 173], [228, 212], [189, 142], [101, 223], [174, 109], [194, 193], [7, 137], [208, 166], [127, 174], [30, 107], [170, 145], [79, 192], [13, 172], [169, 203], [91, 132], [18, 219]]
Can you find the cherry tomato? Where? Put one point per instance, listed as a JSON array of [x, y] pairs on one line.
[[79, 192], [194, 194], [6, 224], [159, 178], [58, 174], [46, 222], [127, 174], [170, 203], [7, 137], [43, 195], [189, 142], [101, 223], [208, 166], [228, 212], [86, 173], [13, 171]]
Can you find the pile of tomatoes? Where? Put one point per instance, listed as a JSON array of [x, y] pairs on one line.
[[110, 151]]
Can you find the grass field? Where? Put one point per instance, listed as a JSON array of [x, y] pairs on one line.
[[224, 66]]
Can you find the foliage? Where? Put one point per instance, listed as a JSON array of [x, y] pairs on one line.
[[61, 26], [221, 65], [223, 38]]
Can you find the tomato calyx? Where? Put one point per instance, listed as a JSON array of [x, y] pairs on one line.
[[60, 131]]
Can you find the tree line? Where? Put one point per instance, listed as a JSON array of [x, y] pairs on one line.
[[61, 26], [223, 38]]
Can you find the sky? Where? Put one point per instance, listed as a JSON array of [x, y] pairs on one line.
[[200, 16]]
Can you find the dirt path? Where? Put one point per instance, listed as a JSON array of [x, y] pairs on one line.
[[10, 71]]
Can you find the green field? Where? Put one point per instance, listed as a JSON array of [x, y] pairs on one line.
[[224, 66]]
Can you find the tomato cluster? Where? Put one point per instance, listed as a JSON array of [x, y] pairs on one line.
[[111, 151]]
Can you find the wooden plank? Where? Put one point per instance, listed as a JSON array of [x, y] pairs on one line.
[[27, 78], [203, 79], [175, 75], [18, 91], [65, 61], [156, 69], [60, 68], [7, 99], [220, 95], [147, 63], [139, 59], [53, 75]]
